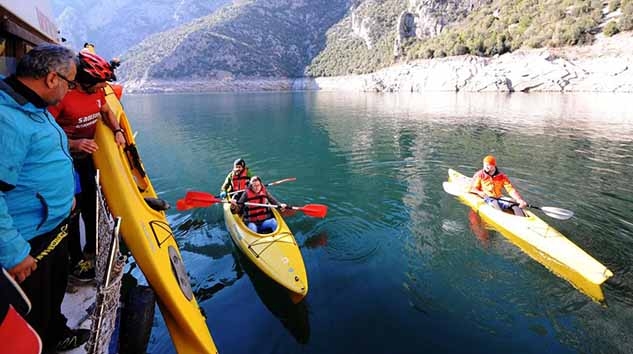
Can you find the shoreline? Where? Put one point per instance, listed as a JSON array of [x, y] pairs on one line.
[[605, 66]]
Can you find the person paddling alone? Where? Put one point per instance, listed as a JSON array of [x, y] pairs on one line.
[[489, 182], [258, 218]]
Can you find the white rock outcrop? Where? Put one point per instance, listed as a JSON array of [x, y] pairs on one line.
[[605, 66]]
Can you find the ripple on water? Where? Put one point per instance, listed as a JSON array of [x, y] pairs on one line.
[[354, 239]]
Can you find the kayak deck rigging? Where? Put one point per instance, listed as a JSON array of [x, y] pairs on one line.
[[284, 237]]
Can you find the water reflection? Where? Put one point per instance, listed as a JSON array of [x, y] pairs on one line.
[[317, 240], [294, 317], [478, 227]]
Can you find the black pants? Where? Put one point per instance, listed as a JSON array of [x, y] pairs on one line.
[[86, 204], [46, 286]]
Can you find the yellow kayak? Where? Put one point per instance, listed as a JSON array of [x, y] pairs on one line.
[[276, 254], [148, 235], [539, 240]]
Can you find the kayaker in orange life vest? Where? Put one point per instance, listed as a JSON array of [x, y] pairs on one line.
[[258, 218], [489, 182], [236, 180]]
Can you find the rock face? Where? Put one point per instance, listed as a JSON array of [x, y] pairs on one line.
[[431, 16], [605, 66], [361, 41], [427, 18]]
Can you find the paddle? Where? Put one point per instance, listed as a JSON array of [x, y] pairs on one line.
[[291, 179], [197, 199], [556, 213], [314, 210], [183, 204]]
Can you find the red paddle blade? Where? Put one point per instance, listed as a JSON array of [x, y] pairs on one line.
[[315, 210], [201, 197], [181, 205], [195, 199]]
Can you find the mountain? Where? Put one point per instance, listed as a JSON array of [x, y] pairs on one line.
[[284, 38], [114, 26], [250, 38], [196, 43]]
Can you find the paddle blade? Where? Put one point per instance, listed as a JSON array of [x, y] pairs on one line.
[[557, 213], [201, 197], [314, 210], [195, 199], [182, 205], [453, 189]]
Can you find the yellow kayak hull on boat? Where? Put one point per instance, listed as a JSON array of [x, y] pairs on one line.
[[148, 235], [276, 254], [539, 240]]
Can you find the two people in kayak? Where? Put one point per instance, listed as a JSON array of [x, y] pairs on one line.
[[250, 190], [489, 183]]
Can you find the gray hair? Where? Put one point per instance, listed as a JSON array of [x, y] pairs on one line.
[[43, 59]]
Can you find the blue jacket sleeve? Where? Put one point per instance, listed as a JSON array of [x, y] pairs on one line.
[[13, 247]]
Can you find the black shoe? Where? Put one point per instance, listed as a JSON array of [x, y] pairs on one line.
[[73, 338], [84, 271]]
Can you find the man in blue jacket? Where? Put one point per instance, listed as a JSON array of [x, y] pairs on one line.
[[37, 189]]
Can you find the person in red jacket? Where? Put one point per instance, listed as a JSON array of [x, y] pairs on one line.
[[78, 114], [489, 183], [258, 218]]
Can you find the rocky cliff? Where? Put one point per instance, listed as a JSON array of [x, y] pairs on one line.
[[605, 66]]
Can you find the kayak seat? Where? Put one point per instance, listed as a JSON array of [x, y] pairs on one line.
[[157, 204]]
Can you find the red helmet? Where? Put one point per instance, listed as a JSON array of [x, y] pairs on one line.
[[93, 69]]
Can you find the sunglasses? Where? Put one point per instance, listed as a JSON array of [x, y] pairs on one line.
[[71, 84]]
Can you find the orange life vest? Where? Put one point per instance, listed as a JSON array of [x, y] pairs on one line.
[[256, 213], [493, 185], [239, 181]]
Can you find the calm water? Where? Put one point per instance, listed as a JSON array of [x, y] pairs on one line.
[[395, 266]]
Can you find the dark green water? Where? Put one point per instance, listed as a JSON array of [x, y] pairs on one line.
[[395, 266]]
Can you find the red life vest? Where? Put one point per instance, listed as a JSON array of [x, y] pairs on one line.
[[239, 182], [256, 213]]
